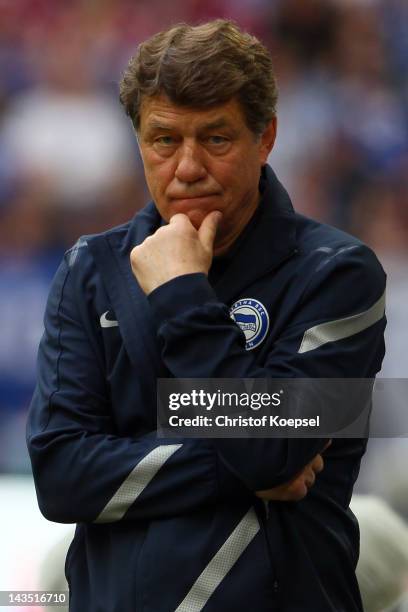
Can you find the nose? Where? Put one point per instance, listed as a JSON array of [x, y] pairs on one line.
[[190, 165]]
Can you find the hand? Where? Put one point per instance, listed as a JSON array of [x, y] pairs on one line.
[[297, 488], [174, 249]]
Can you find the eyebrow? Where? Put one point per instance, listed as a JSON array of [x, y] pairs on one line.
[[156, 125], [212, 125]]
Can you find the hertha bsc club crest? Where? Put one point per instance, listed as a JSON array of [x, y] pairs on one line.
[[251, 316]]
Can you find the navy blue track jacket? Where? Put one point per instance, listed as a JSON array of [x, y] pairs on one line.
[[174, 525]]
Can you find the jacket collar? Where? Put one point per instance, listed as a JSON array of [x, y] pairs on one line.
[[270, 241]]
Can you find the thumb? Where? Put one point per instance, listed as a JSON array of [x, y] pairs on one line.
[[208, 229]]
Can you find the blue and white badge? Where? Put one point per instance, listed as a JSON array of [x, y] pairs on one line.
[[252, 317]]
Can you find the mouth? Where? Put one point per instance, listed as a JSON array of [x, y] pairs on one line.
[[186, 203], [202, 196]]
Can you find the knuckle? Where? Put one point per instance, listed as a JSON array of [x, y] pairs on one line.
[[134, 252], [298, 490], [320, 465], [317, 462], [179, 219]]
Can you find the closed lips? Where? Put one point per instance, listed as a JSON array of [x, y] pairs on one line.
[[194, 197]]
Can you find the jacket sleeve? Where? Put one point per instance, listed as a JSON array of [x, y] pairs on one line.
[[336, 331], [84, 471]]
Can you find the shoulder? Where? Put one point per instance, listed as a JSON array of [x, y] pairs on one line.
[[333, 274], [314, 236], [323, 248]]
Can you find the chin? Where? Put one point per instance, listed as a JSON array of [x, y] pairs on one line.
[[196, 217]]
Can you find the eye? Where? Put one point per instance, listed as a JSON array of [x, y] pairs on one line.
[[217, 140], [165, 140]]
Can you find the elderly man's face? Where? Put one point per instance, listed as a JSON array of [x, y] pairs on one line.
[[197, 161]]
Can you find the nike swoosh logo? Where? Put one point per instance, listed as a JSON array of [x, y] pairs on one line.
[[107, 322]]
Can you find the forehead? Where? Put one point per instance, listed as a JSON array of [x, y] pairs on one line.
[[159, 111]]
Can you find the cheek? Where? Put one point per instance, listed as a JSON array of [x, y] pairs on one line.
[[158, 177], [234, 174], [234, 186]]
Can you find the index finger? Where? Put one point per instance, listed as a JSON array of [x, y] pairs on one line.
[[179, 218]]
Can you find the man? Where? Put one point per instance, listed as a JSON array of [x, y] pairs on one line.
[[189, 524]]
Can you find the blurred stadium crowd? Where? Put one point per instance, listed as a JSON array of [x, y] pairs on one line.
[[69, 163]]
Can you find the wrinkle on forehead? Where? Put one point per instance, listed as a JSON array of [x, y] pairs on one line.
[[160, 113]]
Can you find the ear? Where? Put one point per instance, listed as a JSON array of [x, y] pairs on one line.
[[267, 140]]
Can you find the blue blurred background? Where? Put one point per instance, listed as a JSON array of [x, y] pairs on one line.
[[69, 163]]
